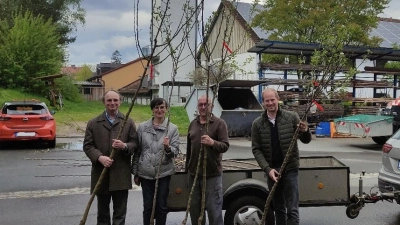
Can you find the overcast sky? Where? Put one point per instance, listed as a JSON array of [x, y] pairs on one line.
[[109, 27]]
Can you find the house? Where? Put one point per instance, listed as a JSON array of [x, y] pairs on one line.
[[143, 96], [163, 62], [118, 78], [71, 70], [91, 91]]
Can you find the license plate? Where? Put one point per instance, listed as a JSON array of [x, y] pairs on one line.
[[25, 134]]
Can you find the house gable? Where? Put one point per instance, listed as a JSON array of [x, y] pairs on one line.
[[121, 76], [241, 14], [229, 26]]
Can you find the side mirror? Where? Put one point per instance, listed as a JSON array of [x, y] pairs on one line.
[[52, 112]]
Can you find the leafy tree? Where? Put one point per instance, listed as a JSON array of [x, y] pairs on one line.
[[68, 89], [65, 14], [305, 21], [116, 57], [84, 73], [28, 49]]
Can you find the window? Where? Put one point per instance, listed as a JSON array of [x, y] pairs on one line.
[[87, 91], [25, 110]]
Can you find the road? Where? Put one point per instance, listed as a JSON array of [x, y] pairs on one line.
[[50, 186]]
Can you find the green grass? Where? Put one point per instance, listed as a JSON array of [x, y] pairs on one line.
[[75, 112]]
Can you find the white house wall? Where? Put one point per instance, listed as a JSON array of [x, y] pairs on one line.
[[230, 32], [186, 65]]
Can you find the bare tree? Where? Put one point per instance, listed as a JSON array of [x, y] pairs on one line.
[[211, 70], [162, 16]]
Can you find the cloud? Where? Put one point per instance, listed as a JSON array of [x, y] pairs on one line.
[[110, 26], [110, 20]]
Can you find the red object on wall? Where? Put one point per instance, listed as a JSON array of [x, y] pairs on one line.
[[227, 47], [151, 72]]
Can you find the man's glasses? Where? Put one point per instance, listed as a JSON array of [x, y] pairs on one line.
[[203, 105]]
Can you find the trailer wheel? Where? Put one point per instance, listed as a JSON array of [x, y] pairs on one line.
[[247, 210], [351, 211], [380, 140]]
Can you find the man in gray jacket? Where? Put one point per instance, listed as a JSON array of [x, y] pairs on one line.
[[100, 139], [271, 135]]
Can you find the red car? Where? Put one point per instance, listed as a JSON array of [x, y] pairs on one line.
[[27, 120]]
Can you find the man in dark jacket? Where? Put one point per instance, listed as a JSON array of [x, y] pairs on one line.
[[271, 135], [214, 142], [100, 139]]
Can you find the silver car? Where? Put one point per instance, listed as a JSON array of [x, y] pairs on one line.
[[389, 174]]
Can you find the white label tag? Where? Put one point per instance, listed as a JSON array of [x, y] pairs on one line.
[[25, 134]]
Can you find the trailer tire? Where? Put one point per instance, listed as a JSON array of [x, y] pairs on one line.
[[247, 210], [380, 140], [351, 211]]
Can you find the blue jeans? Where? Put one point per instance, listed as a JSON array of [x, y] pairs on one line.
[[286, 198], [148, 188]]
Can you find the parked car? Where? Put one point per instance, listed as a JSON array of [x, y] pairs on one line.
[[27, 120], [389, 174]]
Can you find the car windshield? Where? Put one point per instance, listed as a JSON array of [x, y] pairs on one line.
[[396, 135], [24, 109]]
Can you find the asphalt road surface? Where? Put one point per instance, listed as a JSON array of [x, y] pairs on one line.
[[41, 186]]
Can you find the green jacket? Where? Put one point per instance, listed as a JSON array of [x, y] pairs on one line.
[[261, 138]]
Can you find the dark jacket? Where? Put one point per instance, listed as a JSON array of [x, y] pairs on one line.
[[218, 131], [98, 141], [261, 138]]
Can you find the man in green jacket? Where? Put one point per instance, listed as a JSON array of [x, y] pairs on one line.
[[271, 135]]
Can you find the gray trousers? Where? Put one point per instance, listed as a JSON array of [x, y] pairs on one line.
[[213, 200]]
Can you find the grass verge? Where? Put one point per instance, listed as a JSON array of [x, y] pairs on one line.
[[75, 113]]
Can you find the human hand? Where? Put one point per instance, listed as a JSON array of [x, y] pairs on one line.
[[119, 144], [273, 174], [105, 161], [303, 126], [136, 179], [206, 140], [166, 143]]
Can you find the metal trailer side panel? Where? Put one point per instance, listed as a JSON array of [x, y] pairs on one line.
[[323, 180], [179, 189], [325, 186], [178, 195]]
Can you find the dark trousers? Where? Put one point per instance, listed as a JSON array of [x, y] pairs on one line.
[[161, 210], [286, 198], [120, 201]]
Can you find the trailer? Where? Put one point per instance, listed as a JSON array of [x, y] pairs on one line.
[[379, 127], [245, 188]]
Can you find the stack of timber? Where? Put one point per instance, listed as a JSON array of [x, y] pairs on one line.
[[227, 164], [287, 96], [382, 101], [330, 112], [370, 83], [370, 110]]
